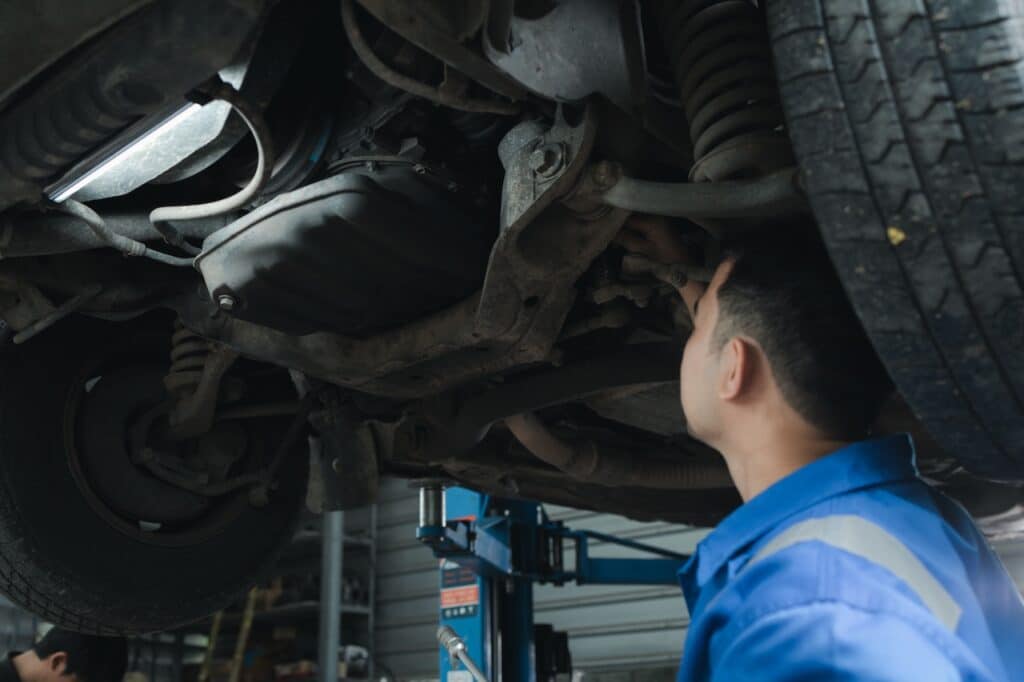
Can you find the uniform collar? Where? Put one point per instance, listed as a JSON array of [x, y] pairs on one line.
[[859, 465]]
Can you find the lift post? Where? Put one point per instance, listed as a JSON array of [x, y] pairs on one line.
[[492, 551]]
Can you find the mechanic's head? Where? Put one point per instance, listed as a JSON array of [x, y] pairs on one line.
[[776, 345], [65, 656]]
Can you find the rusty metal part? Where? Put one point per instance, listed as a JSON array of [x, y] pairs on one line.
[[594, 463], [442, 94], [543, 248], [635, 364], [615, 315], [639, 293], [128, 247], [675, 275], [572, 50], [349, 458], [21, 302], [776, 194], [47, 233], [438, 27], [197, 369], [165, 467], [69, 306], [720, 53], [501, 466]]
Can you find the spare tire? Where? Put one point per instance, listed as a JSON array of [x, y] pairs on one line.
[[73, 556], [907, 119]]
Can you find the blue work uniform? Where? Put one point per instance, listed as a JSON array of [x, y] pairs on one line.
[[851, 568]]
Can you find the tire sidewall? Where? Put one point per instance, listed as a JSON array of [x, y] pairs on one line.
[[61, 560]]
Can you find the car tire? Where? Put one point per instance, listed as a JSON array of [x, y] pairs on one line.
[[61, 558], [907, 119]]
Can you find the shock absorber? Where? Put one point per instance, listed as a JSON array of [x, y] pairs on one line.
[[189, 353], [721, 58], [194, 380]]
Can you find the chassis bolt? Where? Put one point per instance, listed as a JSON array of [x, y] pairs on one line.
[[547, 160], [226, 302]]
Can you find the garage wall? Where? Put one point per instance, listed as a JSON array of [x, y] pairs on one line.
[[609, 627], [17, 627]]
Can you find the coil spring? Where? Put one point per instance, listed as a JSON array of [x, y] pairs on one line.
[[720, 54], [188, 357]]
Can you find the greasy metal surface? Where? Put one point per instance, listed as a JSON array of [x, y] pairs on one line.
[[451, 92], [592, 461], [348, 458], [402, 244], [423, 24], [46, 233], [576, 49], [542, 250], [773, 195], [628, 366]]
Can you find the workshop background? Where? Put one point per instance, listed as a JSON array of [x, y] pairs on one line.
[[616, 633]]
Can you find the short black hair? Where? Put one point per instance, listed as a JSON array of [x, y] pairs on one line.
[[784, 293], [91, 658]]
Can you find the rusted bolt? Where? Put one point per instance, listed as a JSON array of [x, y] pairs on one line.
[[547, 160]]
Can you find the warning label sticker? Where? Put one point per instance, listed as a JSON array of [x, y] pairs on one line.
[[460, 601]]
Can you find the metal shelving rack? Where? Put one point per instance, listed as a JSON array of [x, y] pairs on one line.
[[305, 554]]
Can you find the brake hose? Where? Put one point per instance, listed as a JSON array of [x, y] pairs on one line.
[[160, 217], [125, 245]]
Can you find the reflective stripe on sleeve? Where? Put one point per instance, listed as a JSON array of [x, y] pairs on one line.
[[869, 541]]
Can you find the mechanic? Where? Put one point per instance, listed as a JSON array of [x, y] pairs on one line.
[[65, 656], [841, 563]]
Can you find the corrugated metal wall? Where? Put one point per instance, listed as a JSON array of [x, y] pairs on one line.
[[609, 627]]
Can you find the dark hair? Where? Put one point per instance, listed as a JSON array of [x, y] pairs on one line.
[[91, 658], [783, 293]]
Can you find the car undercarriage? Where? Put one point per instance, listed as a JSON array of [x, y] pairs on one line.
[[393, 222]]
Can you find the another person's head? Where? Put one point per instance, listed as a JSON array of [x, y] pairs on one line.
[[65, 656], [776, 342]]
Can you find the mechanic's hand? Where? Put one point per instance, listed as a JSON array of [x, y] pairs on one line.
[[653, 237]]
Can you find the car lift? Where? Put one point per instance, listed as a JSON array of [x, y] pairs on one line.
[[492, 551]]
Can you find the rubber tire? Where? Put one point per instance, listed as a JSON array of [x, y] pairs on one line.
[[907, 119], [61, 561]]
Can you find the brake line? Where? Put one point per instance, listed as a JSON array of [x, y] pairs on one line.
[[252, 117]]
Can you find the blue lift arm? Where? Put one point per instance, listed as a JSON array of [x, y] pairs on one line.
[[493, 550]]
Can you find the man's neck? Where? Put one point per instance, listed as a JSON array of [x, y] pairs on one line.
[[756, 466], [23, 664]]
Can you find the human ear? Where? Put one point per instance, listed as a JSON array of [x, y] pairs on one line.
[[58, 662], [734, 368]]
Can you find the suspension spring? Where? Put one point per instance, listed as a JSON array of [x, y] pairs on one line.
[[189, 353], [720, 54]]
